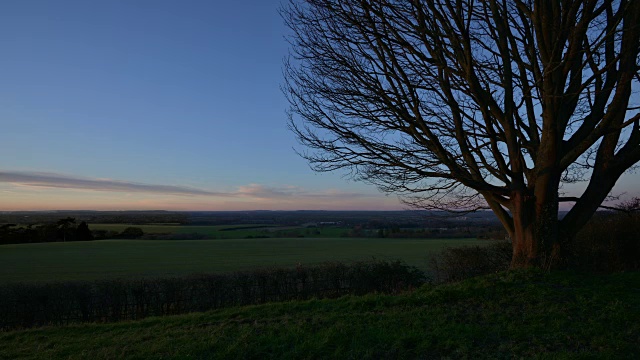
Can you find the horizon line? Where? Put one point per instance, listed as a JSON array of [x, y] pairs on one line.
[[165, 210]]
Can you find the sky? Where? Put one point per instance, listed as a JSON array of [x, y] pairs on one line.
[[156, 104], [153, 104]]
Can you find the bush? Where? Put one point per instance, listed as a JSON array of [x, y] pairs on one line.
[[29, 305], [455, 264], [131, 233], [609, 242]]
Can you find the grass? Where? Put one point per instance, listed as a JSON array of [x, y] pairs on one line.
[[152, 258], [229, 231], [510, 315]]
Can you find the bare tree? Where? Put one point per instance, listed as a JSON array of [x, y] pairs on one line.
[[463, 104], [630, 206]]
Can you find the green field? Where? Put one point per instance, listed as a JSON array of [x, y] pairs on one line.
[[153, 258], [526, 315], [229, 231]]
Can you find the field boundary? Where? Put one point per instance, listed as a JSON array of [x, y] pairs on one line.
[[32, 305]]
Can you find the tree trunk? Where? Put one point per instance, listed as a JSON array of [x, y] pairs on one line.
[[535, 237]]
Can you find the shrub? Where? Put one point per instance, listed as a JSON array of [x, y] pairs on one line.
[[29, 305], [609, 242], [459, 263], [131, 233]]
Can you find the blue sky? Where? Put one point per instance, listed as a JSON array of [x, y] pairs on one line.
[[150, 104], [166, 93]]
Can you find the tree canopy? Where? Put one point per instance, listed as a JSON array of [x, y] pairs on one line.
[[463, 104]]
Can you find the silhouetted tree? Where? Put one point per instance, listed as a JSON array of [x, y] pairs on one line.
[[64, 225], [463, 104], [7, 233], [83, 233]]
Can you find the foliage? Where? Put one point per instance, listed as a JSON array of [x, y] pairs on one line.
[[37, 304], [460, 263], [96, 216], [609, 242], [528, 315], [131, 233], [83, 233], [62, 230]]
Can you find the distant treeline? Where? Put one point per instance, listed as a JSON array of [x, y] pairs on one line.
[[102, 217], [63, 230], [60, 231], [398, 232], [28, 305], [403, 219]]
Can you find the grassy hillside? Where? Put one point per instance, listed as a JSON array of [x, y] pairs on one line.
[[526, 314], [152, 258]]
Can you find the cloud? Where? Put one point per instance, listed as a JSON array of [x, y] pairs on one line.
[[261, 191], [286, 192], [252, 191], [53, 180]]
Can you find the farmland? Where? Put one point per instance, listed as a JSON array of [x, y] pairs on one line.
[[229, 231], [517, 314], [155, 258]]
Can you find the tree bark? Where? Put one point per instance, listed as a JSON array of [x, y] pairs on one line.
[[537, 239], [525, 245]]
